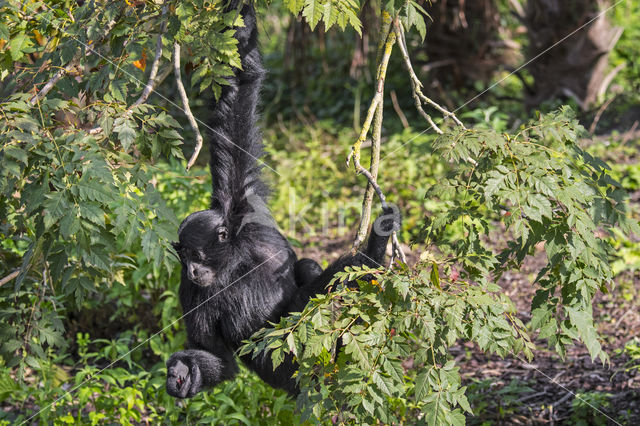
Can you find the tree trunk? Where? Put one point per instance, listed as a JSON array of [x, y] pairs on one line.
[[577, 66], [463, 42]]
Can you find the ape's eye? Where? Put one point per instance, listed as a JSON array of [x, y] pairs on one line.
[[223, 234]]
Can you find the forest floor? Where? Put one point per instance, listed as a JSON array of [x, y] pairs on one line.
[[547, 390]]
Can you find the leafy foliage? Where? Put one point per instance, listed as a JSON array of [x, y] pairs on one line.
[[380, 352], [131, 390], [82, 220], [91, 188], [545, 190], [345, 13], [329, 12]]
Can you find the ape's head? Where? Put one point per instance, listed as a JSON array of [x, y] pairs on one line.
[[203, 246]]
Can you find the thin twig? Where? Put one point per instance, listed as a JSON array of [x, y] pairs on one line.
[[396, 107], [630, 134], [395, 244], [152, 82], [418, 96], [361, 170], [185, 105], [53, 81], [596, 119], [9, 277], [396, 247]]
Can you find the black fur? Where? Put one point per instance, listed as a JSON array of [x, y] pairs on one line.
[[238, 271]]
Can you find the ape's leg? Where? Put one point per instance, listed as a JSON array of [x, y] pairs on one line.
[[383, 227], [191, 370], [372, 256]]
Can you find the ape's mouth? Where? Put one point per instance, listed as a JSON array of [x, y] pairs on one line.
[[183, 384], [203, 281], [202, 276]]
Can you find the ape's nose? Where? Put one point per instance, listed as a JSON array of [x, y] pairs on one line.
[[193, 271]]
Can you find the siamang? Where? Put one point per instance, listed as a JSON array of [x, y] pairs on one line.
[[238, 271]]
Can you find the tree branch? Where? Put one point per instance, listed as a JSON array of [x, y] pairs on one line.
[[185, 105], [153, 81], [62, 72], [385, 46], [9, 277], [416, 86], [54, 80], [396, 107], [375, 114]]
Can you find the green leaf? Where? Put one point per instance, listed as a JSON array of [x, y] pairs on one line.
[[359, 352], [312, 12], [583, 323], [17, 153], [435, 275], [295, 6], [126, 134], [118, 90], [384, 383], [422, 387], [92, 212], [19, 46]]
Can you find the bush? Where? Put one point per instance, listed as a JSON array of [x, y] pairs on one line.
[[380, 352]]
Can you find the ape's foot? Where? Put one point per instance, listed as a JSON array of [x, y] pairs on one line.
[[183, 376]]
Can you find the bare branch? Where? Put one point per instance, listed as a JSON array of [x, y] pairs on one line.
[[416, 86], [396, 107], [362, 171], [9, 277], [355, 149], [596, 119], [151, 84], [185, 105], [396, 247], [375, 112], [54, 80]]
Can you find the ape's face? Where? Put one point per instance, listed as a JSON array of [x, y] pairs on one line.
[[203, 243]]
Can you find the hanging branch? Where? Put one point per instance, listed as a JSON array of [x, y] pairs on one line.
[[416, 85], [185, 105], [153, 81], [374, 114], [151, 84]]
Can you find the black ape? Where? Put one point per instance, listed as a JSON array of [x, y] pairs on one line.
[[238, 271]]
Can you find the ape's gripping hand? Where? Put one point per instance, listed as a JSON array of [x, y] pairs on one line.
[[190, 371]]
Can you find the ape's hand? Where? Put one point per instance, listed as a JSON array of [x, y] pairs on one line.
[[184, 379]]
